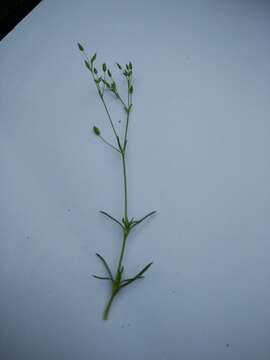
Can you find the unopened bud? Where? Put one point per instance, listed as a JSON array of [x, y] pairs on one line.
[[80, 47], [96, 130], [93, 58], [87, 65]]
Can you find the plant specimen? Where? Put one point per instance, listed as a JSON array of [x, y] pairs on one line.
[[105, 84]]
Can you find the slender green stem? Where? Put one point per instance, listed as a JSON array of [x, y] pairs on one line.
[[125, 186], [109, 116], [122, 252], [107, 143], [121, 100], [108, 306], [119, 96], [128, 111], [104, 78]]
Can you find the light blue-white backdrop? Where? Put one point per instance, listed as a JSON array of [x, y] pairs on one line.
[[198, 153]]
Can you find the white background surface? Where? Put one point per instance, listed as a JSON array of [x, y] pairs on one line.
[[198, 154]]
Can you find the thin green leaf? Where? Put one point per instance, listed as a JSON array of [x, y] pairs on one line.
[[138, 275], [142, 219], [111, 217], [101, 277], [125, 280], [106, 265]]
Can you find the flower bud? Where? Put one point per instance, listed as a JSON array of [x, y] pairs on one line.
[[87, 64], [93, 58], [80, 47], [96, 130]]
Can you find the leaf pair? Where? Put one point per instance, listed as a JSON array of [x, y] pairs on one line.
[[124, 282], [132, 223], [136, 277], [104, 262], [137, 222]]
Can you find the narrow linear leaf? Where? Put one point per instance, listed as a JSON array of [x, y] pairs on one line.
[[138, 275], [145, 217], [125, 280], [111, 217], [106, 265], [101, 277]]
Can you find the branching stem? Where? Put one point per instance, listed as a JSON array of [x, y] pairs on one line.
[[127, 224]]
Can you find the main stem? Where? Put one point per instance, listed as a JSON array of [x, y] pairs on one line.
[[126, 229], [116, 283], [123, 155], [108, 307]]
